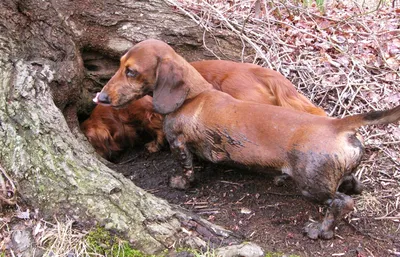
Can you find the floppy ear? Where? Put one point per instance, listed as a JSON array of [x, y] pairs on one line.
[[170, 90]]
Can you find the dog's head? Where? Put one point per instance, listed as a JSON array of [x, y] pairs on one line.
[[100, 137], [149, 66]]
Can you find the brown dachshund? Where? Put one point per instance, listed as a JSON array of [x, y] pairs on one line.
[[317, 152], [243, 81], [111, 130]]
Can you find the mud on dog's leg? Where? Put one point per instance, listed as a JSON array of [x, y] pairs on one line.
[[340, 205], [185, 157]]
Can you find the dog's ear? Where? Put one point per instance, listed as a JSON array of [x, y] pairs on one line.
[[170, 90]]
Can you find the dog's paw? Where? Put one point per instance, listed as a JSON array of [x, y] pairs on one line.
[[314, 231], [280, 180], [179, 182], [152, 147]]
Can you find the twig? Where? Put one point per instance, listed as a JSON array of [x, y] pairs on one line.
[[13, 199], [231, 183]]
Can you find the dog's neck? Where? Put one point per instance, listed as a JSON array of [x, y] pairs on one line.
[[193, 79]]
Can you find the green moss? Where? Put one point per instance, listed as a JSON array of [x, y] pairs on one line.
[[102, 242], [42, 188]]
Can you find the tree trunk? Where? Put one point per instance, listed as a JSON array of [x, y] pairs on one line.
[[52, 54]]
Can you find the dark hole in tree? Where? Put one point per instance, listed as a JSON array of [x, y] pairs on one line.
[[91, 67], [99, 68]]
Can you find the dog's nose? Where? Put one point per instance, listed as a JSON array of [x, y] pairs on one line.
[[102, 98]]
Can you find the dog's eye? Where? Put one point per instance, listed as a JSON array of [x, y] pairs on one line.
[[131, 73]]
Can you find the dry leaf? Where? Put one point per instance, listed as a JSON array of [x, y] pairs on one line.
[[338, 39], [245, 210], [393, 63], [393, 99], [23, 214]]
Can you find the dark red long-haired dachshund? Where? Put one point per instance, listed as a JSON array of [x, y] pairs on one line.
[[110, 131], [317, 152]]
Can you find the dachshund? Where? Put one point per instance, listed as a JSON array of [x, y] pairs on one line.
[[317, 152], [112, 130], [243, 81]]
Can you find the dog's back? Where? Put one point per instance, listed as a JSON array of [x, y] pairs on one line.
[[250, 82]]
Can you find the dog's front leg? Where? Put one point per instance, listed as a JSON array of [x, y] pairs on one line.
[[182, 153], [340, 205], [155, 145]]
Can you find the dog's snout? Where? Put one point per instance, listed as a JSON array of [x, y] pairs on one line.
[[102, 98]]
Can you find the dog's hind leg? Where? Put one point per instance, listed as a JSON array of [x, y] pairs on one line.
[[340, 205], [351, 185], [181, 151]]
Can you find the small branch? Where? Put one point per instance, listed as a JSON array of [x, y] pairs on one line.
[[3, 184]]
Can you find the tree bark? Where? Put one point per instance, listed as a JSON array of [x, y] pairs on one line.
[[53, 53]]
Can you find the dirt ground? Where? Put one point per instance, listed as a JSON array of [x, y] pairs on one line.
[[251, 205]]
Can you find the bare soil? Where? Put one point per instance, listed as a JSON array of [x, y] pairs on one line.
[[251, 205]]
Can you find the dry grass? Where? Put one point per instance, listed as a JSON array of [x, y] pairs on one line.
[[48, 239], [344, 61], [61, 239]]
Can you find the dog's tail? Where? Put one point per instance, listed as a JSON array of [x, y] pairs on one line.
[[369, 118]]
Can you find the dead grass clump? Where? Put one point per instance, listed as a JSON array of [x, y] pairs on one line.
[[60, 239]]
